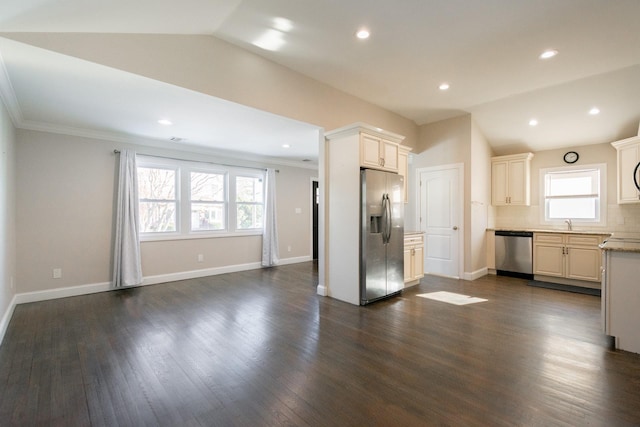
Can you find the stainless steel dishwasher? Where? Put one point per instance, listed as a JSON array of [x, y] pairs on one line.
[[514, 254]]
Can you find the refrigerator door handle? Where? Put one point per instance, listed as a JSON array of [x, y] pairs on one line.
[[387, 211], [385, 218]]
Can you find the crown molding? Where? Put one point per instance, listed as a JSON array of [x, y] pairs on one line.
[[160, 143]]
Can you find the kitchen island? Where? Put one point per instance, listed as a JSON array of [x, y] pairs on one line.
[[621, 292]]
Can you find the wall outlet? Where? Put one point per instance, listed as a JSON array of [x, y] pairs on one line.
[[298, 210], [12, 283], [289, 248], [200, 257], [57, 273]]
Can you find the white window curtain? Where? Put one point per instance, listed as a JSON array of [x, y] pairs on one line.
[[270, 229], [127, 268]]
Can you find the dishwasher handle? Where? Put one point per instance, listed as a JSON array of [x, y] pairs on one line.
[[514, 233]]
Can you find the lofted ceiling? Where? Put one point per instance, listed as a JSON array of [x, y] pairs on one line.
[[487, 51]]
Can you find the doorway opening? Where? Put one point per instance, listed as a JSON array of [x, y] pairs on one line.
[[315, 207]]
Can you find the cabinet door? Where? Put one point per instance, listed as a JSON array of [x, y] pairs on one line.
[[583, 263], [418, 262], [499, 178], [408, 273], [517, 183], [389, 154], [491, 250], [628, 158], [370, 152], [403, 169], [548, 260]]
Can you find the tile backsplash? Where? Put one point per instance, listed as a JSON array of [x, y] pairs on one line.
[[620, 219]]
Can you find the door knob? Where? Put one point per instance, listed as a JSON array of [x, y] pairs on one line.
[[455, 227]]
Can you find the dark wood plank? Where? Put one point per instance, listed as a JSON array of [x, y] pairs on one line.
[[261, 348]]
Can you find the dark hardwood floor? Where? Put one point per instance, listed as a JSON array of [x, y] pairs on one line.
[[261, 348]]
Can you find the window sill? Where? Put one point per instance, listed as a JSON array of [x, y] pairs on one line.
[[192, 236]]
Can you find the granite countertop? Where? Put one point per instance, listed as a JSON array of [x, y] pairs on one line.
[[553, 230], [621, 245], [410, 232]]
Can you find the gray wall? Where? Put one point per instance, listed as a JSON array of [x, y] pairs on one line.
[[65, 199]]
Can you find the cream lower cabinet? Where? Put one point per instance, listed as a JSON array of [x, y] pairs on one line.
[[413, 258], [568, 256]]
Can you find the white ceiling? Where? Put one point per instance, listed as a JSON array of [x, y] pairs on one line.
[[488, 52]]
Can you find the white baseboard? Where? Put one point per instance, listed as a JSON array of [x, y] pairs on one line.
[[322, 290], [6, 318], [72, 291], [476, 274], [295, 260], [195, 274]]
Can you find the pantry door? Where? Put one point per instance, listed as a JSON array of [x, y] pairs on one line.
[[441, 219]]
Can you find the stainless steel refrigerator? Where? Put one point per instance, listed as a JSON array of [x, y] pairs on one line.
[[381, 235]]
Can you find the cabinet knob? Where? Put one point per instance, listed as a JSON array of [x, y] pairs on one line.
[[455, 227]]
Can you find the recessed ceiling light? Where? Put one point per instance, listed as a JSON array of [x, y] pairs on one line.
[[363, 34], [533, 122], [282, 24], [286, 146], [443, 86], [271, 40], [548, 54], [594, 111], [165, 122]]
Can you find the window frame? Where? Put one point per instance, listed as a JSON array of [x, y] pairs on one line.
[[183, 193], [225, 202], [176, 170], [601, 204], [261, 177]]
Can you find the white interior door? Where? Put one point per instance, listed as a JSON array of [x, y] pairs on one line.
[[441, 219]]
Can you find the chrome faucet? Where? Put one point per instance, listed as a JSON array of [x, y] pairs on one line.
[[569, 224]]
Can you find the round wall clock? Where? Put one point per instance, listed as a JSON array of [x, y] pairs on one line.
[[571, 157]]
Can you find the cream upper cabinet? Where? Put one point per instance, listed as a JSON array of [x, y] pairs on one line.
[[510, 180], [628, 151], [378, 153], [403, 169], [570, 256]]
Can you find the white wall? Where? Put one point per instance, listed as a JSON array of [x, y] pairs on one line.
[[65, 203], [7, 218]]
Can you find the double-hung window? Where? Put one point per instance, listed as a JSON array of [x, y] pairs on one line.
[[574, 193], [158, 196], [249, 202], [183, 199], [208, 201]]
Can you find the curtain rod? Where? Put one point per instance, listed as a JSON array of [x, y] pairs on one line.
[[116, 151]]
